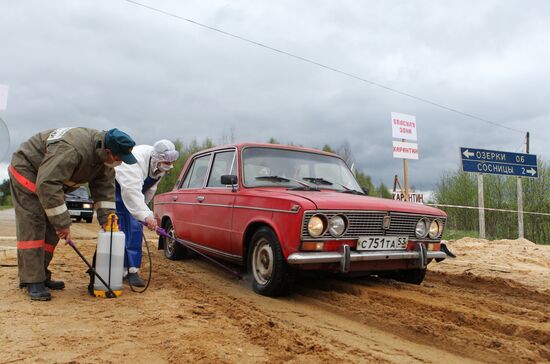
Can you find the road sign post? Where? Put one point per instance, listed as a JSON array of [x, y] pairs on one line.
[[481, 204], [521, 231], [483, 161]]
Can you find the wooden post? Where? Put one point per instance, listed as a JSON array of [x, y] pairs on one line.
[[406, 179], [521, 231], [521, 226], [481, 205]]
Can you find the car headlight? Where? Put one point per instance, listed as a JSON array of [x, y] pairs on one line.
[[316, 226], [421, 229], [337, 225], [436, 228], [86, 206]]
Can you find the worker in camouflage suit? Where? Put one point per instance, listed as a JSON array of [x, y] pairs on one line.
[[42, 170]]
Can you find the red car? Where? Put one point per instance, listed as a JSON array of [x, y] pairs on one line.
[[278, 209]]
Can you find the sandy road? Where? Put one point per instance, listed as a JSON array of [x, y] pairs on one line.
[[196, 312]]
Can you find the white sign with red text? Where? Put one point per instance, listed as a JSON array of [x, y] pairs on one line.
[[403, 126], [405, 150], [3, 97]]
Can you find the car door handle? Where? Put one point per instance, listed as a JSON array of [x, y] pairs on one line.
[[174, 198], [200, 198]]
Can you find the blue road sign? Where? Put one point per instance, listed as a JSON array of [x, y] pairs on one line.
[[497, 162]]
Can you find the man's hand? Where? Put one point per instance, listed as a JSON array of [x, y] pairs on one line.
[[151, 223], [64, 233]]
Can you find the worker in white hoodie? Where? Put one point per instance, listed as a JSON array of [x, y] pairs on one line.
[[136, 185]]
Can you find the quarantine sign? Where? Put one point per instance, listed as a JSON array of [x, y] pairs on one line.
[[405, 150], [403, 126]]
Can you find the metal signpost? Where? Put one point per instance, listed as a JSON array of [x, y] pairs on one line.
[[483, 161]]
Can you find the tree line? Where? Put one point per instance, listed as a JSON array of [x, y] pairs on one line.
[[168, 182], [500, 192]]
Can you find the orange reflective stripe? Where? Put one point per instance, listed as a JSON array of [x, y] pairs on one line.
[[31, 244], [49, 248], [22, 179]]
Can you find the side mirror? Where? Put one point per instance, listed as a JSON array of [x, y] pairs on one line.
[[365, 190], [229, 179]]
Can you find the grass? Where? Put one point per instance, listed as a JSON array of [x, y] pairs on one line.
[[5, 207]]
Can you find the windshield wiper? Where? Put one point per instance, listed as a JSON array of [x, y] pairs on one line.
[[318, 181], [272, 178], [353, 192], [322, 181], [303, 186]]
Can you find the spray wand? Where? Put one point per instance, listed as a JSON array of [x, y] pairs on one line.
[[160, 231], [110, 293]]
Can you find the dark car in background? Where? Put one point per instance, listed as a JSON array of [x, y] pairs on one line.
[[80, 205]]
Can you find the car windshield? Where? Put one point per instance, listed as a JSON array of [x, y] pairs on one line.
[[293, 169], [81, 192]]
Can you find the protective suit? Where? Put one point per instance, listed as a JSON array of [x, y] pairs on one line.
[[136, 185]]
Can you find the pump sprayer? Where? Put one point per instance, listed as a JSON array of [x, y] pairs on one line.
[[110, 258]]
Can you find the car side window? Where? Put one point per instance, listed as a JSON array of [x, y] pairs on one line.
[[197, 173], [224, 163]]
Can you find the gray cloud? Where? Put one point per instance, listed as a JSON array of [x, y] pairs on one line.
[[108, 63]]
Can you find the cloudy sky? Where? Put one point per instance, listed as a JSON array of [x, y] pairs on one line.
[[110, 63]]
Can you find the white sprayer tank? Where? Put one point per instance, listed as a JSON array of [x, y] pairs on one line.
[[109, 262]]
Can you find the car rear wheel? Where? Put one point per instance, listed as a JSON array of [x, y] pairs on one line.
[[172, 249], [89, 220], [78, 219], [271, 273]]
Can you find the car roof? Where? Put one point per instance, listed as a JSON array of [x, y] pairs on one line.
[[244, 145]]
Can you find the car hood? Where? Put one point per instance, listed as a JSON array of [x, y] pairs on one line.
[[332, 200]]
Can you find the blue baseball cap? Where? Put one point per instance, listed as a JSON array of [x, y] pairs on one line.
[[120, 144]]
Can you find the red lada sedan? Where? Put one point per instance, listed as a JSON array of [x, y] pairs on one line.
[[278, 209]]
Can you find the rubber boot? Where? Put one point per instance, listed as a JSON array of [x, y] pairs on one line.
[[38, 292], [56, 285], [51, 284], [135, 280]]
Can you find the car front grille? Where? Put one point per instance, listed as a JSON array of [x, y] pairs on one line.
[[76, 205], [365, 223]]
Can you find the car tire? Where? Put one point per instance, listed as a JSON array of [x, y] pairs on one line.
[[89, 220], [78, 219], [271, 274], [172, 249], [412, 276]]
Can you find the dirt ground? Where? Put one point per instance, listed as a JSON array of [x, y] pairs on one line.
[[491, 304]]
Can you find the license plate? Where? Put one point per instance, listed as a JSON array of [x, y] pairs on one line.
[[74, 212], [382, 242]]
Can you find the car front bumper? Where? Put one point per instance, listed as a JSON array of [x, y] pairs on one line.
[[345, 257], [81, 213]]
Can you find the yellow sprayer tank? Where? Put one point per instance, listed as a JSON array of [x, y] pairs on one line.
[[109, 262]]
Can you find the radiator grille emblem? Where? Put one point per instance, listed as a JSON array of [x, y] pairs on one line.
[[386, 222]]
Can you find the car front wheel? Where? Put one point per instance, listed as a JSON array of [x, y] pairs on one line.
[[172, 249], [271, 273], [413, 276]]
